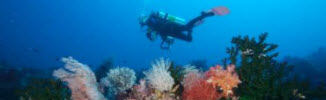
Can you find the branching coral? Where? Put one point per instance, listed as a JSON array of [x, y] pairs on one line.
[[119, 79], [81, 80], [159, 77]]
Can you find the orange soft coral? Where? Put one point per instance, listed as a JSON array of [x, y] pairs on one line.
[[223, 79]]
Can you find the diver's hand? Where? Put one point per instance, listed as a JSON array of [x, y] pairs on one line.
[[165, 47]]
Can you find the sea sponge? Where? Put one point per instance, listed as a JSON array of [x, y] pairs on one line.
[[159, 77], [81, 80]]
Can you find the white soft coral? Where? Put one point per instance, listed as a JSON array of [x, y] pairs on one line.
[[81, 80], [119, 79], [159, 77]]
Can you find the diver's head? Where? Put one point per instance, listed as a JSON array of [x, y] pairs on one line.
[[142, 20]]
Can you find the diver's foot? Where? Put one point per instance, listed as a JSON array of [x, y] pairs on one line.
[[203, 13]]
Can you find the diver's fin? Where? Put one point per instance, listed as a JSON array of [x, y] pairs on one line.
[[220, 11]]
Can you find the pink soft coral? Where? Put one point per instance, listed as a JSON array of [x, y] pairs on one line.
[[81, 80], [141, 91], [223, 79]]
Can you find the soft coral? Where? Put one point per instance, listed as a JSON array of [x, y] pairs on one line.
[[223, 79], [207, 86], [197, 88], [201, 91]]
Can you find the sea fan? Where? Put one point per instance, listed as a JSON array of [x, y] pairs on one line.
[[81, 80], [159, 77]]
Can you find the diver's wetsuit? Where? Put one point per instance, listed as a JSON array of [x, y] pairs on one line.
[[167, 28]]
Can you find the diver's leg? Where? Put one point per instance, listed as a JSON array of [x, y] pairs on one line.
[[203, 15]]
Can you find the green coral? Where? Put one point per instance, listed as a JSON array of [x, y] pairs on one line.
[[44, 89], [262, 76]]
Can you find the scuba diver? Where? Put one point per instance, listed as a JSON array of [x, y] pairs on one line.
[[170, 27]]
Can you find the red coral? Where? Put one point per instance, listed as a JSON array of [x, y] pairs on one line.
[[208, 87], [200, 91], [197, 88]]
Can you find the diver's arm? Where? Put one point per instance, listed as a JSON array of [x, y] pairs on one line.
[[203, 15], [149, 36]]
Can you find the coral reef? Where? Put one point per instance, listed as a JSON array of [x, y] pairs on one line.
[[201, 90], [191, 77], [158, 83], [196, 87], [119, 79], [145, 92], [258, 76], [44, 89], [214, 84], [225, 80], [140, 92], [262, 76], [159, 77], [14, 78], [81, 80]]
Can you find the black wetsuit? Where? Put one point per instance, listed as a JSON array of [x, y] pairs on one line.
[[166, 28]]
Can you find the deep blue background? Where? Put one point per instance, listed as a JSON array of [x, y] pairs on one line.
[[93, 30]]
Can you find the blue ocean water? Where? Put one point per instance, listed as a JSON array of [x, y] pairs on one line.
[[35, 33]]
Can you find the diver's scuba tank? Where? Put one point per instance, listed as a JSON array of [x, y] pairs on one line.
[[172, 18]]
